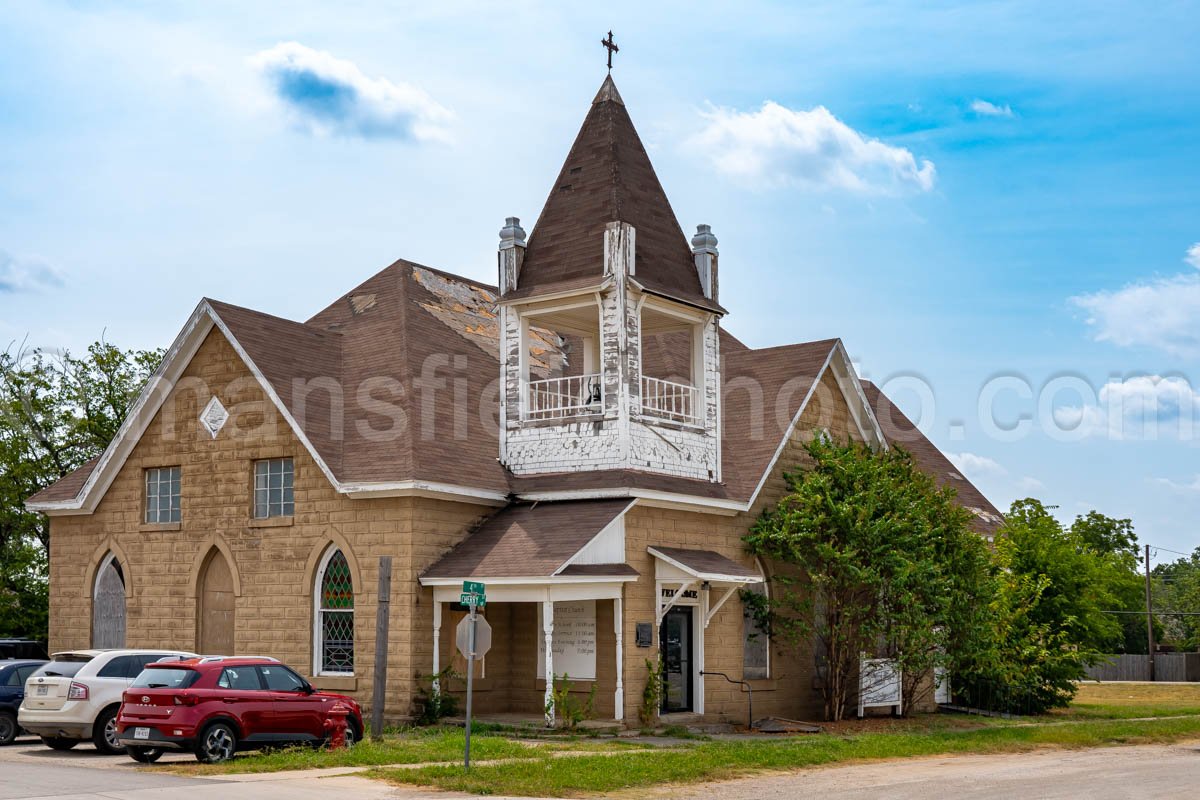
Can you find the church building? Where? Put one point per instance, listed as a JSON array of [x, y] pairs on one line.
[[586, 439]]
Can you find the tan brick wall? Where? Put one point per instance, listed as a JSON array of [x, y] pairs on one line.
[[274, 566], [789, 691]]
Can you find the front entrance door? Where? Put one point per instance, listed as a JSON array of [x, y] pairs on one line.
[[217, 607], [677, 654]]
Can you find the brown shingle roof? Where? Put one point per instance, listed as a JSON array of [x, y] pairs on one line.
[[608, 177], [67, 487], [763, 391], [704, 562], [899, 430], [527, 540]]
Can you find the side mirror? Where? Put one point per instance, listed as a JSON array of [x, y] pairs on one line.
[[310, 689]]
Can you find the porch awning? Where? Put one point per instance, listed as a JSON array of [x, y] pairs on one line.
[[541, 543], [695, 572], [705, 565]]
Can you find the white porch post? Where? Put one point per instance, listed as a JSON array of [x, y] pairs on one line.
[[548, 632], [437, 642], [618, 626]]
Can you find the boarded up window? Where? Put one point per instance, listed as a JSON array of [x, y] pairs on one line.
[[108, 606], [756, 649]]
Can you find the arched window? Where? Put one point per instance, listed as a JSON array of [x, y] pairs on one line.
[[334, 623], [108, 605], [756, 648]]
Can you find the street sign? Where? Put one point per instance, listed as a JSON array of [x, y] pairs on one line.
[[483, 637], [472, 587], [473, 638]]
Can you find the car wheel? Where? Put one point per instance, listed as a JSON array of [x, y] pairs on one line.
[[353, 734], [218, 743], [144, 755], [104, 733], [8, 728], [59, 743]]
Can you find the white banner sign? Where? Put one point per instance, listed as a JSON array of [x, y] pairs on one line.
[[574, 640]]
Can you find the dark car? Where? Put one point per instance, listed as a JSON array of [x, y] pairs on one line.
[[13, 674], [11, 649], [218, 705]]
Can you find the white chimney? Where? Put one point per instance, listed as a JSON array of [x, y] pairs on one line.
[[704, 251], [512, 253]]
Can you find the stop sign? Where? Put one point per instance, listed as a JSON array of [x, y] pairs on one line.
[[483, 637]]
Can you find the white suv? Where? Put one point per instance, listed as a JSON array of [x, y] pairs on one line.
[[77, 694]]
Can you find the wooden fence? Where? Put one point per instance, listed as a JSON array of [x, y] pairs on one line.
[[1168, 668]]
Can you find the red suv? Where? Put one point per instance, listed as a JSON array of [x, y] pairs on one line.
[[218, 705]]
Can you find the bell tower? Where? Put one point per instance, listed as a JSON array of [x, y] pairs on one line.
[[610, 354]]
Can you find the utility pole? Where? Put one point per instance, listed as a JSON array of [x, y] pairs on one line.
[[1149, 617], [383, 613]]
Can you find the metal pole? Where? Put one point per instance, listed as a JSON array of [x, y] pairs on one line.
[[470, 681], [382, 614], [1149, 617]]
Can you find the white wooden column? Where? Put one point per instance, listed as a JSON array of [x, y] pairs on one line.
[[548, 632], [618, 629], [437, 644]]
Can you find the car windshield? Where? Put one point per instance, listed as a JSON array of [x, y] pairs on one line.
[[60, 669], [161, 678]]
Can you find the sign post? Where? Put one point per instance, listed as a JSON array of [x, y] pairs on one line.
[[474, 639]]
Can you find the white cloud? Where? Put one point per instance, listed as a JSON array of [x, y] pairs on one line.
[[1163, 313], [1193, 487], [976, 466], [1136, 408], [777, 146], [1193, 255], [985, 109], [1030, 484], [27, 274], [328, 95]]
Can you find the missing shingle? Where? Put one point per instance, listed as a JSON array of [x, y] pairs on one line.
[[576, 170], [361, 302], [566, 187]]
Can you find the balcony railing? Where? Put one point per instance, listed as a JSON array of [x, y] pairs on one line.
[[559, 398], [674, 401]]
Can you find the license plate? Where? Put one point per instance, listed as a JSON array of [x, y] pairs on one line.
[[42, 691], [141, 733]]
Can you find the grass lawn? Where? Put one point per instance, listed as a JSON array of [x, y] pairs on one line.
[[1103, 714], [583, 775], [1129, 700], [416, 746]]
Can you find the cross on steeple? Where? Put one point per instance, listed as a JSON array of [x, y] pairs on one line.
[[612, 48]]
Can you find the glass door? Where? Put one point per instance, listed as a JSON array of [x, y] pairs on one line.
[[676, 641]]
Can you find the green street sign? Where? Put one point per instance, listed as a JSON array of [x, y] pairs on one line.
[[472, 587], [473, 599]]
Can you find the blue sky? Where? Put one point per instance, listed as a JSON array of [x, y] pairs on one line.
[[960, 192]]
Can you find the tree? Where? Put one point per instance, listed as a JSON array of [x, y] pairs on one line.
[[1051, 589], [883, 562], [1177, 589], [1115, 544], [56, 412]]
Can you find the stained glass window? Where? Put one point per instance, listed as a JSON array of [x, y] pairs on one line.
[[335, 610]]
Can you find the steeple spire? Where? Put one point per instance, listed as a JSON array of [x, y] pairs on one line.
[[607, 177]]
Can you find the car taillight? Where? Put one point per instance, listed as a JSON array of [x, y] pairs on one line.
[[78, 691], [186, 700]]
